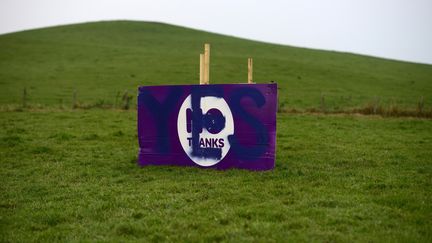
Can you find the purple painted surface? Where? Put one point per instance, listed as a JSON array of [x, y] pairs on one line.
[[211, 126]]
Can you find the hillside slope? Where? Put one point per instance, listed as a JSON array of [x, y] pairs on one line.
[[100, 59]]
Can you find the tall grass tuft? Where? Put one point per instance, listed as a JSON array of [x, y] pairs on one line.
[[420, 105], [376, 105], [75, 100], [24, 99], [127, 98]]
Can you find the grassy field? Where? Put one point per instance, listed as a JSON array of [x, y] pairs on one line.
[[71, 175], [98, 60]]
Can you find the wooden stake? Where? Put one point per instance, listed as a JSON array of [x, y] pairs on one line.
[[250, 70], [206, 63], [201, 72]]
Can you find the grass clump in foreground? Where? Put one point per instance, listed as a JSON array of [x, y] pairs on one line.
[[72, 176]]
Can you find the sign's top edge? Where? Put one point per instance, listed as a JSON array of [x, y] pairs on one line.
[[173, 85]]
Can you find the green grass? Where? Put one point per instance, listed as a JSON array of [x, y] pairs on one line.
[[103, 58], [72, 176]]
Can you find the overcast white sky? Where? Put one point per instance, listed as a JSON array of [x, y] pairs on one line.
[[397, 29]]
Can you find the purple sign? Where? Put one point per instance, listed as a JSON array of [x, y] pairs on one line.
[[213, 126]]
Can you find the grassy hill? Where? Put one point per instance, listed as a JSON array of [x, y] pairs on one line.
[[103, 58], [71, 174]]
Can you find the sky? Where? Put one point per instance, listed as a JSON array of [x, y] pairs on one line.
[[395, 29]]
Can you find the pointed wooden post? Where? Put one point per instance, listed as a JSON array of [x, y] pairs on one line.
[[201, 72], [206, 63], [250, 70]]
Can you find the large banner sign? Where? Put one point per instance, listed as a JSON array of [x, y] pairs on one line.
[[216, 126]]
